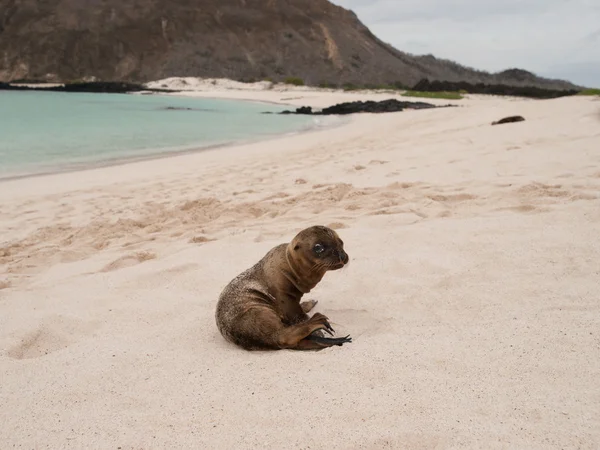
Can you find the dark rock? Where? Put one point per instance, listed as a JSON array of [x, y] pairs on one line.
[[101, 86], [391, 105], [531, 91], [509, 120], [304, 110], [95, 86], [139, 40]]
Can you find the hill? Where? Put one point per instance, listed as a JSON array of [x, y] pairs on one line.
[[143, 40]]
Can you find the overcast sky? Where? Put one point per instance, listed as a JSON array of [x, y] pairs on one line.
[[553, 38]]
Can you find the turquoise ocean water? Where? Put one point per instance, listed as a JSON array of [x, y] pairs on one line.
[[53, 131]]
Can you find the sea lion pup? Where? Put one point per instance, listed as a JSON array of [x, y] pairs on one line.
[[260, 309]]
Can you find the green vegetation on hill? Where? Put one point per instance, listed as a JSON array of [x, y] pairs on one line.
[[444, 95], [295, 81], [590, 92]]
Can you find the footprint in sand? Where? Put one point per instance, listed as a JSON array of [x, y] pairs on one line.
[[337, 225], [521, 209], [53, 334], [200, 240], [584, 196], [399, 185], [247, 191], [128, 261], [276, 196], [353, 207], [358, 322], [68, 256], [158, 279], [543, 190], [452, 197]]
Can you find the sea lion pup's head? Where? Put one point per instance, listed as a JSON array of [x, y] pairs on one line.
[[319, 247]]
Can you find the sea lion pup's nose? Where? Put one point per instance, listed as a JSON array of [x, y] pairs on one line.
[[343, 256]]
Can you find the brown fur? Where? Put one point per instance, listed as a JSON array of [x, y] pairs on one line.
[[260, 309]]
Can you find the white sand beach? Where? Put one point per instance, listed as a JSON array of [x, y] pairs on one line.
[[472, 295]]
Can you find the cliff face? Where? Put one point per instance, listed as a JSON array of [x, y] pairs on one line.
[[142, 40]]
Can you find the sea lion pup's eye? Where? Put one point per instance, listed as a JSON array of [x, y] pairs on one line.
[[319, 248]]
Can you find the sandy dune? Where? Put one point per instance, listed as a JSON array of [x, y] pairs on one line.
[[472, 295]]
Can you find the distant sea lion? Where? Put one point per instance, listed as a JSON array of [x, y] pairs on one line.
[[260, 309]]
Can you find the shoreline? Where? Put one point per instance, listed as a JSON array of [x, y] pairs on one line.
[[124, 161], [333, 122], [233, 94], [127, 169]]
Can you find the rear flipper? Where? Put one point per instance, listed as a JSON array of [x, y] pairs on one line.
[[329, 342]]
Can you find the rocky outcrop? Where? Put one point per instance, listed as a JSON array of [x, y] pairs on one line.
[[98, 86], [509, 119], [384, 106], [531, 91], [141, 40]]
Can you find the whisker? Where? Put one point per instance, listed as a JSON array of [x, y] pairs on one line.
[[319, 266], [315, 265]]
